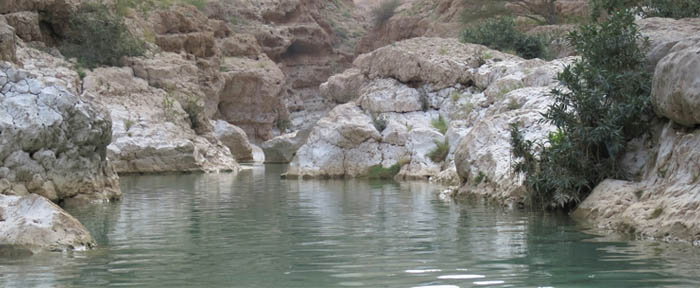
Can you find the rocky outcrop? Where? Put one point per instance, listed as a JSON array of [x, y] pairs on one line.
[[151, 130], [664, 203], [661, 201], [309, 40], [410, 89], [33, 222], [53, 142], [250, 97]]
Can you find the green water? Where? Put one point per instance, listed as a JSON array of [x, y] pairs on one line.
[[257, 230]]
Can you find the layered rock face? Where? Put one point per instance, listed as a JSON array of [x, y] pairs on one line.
[[308, 39], [152, 132], [663, 202], [53, 142], [403, 90], [225, 74]]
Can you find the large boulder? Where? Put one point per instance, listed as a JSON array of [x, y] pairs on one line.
[[53, 142], [151, 130], [33, 222], [250, 98], [664, 33], [676, 86], [283, 148], [343, 88], [236, 140], [337, 145]]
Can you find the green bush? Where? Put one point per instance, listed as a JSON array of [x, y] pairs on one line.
[[384, 11], [97, 36], [379, 172], [440, 124], [379, 124], [606, 104], [500, 34], [439, 154]]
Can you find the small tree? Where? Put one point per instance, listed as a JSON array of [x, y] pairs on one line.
[[97, 36], [606, 104]]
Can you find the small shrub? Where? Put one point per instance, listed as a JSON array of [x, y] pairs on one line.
[[513, 104], [283, 124], [379, 123], [656, 213], [128, 123], [81, 72], [168, 106], [467, 109], [379, 172], [384, 11], [440, 124], [480, 178], [97, 36], [500, 34], [439, 154], [455, 96]]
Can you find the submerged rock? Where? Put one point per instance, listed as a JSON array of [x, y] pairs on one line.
[[33, 222], [283, 148]]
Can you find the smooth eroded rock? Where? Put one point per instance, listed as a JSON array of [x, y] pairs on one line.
[[34, 223], [676, 86]]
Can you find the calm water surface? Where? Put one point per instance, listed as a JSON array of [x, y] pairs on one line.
[[257, 230]]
